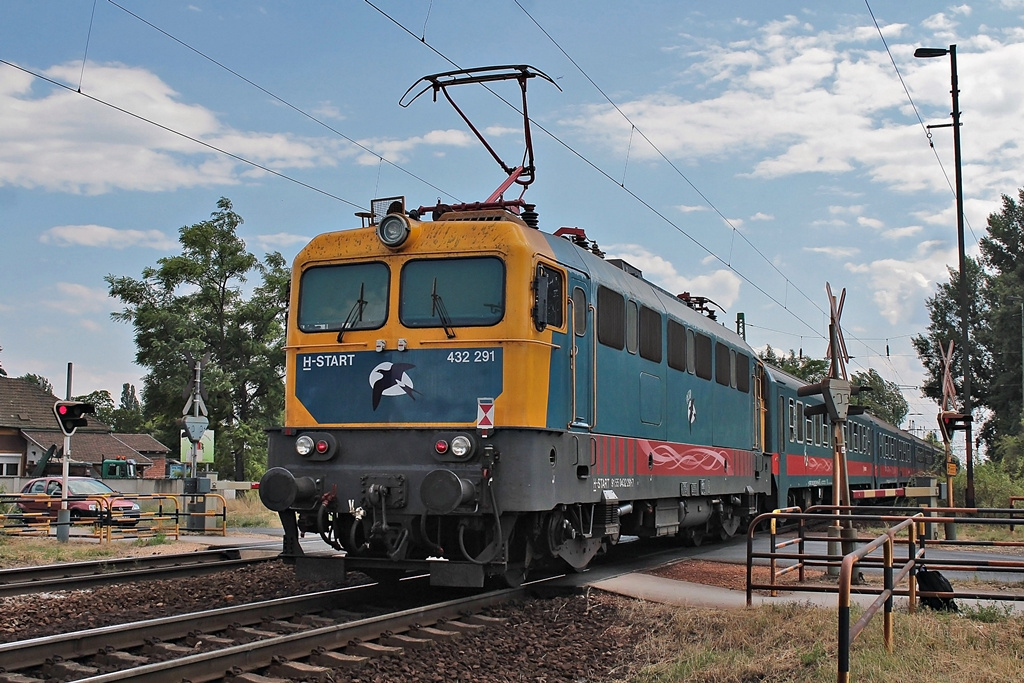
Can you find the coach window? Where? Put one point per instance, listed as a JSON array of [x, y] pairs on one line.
[[793, 420], [824, 432], [344, 297], [800, 421], [579, 311], [809, 427], [632, 326], [723, 364], [611, 318], [650, 334], [855, 445], [817, 430], [743, 372]]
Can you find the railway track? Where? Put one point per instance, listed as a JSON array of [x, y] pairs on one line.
[[289, 638], [74, 575]]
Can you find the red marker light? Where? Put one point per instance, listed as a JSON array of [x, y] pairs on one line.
[[321, 446], [63, 410], [441, 446]]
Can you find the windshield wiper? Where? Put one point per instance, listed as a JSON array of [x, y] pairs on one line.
[[438, 310], [355, 315]]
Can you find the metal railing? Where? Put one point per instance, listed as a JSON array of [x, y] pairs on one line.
[[848, 634], [159, 515], [914, 521]]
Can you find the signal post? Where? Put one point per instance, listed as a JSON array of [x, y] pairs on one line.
[[836, 392], [70, 416]]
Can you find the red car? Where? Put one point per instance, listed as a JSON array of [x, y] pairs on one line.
[[83, 500]]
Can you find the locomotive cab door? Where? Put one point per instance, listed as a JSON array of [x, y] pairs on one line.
[[581, 356]]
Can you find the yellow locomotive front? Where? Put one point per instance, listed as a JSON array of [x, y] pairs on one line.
[[409, 343]]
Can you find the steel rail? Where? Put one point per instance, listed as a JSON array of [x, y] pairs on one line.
[[27, 654], [75, 575], [214, 665]]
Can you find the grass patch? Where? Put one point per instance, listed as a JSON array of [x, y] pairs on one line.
[[157, 539], [40, 551], [246, 511], [799, 643]]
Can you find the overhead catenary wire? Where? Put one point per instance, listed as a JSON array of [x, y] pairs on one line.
[[381, 160], [186, 136], [283, 101]]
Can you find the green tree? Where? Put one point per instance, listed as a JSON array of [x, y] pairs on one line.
[[39, 381], [103, 403], [197, 302], [884, 400], [809, 369], [996, 284], [127, 418]]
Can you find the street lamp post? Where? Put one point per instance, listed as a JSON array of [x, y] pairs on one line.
[[926, 52]]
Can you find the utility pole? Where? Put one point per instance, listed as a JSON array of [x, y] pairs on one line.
[[965, 318]]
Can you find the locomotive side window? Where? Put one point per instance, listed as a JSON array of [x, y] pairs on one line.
[[344, 297], [691, 351], [743, 372], [702, 355], [579, 311], [452, 292], [611, 318], [676, 345], [723, 366], [650, 334], [549, 290], [632, 326]]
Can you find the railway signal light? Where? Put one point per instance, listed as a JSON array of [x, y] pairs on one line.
[[836, 393], [950, 421], [71, 415]]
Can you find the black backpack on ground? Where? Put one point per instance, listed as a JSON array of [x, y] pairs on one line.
[[928, 580]]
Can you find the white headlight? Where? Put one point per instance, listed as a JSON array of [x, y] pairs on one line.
[[461, 446], [303, 445], [393, 230]]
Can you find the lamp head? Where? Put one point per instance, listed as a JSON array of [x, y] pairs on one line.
[[926, 52]]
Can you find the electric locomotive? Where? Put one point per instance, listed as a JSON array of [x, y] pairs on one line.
[[470, 395]]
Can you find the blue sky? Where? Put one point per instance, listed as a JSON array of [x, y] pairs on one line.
[[745, 151]]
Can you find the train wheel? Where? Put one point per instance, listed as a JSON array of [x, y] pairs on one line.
[[728, 528], [565, 543]]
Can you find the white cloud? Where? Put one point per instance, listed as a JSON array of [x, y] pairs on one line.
[[278, 240], [722, 286], [834, 252], [108, 238], [796, 100], [762, 216], [76, 298], [398, 151], [60, 141], [684, 208], [900, 233], [900, 285], [869, 222]]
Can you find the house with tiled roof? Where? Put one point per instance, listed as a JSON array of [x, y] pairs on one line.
[[29, 429]]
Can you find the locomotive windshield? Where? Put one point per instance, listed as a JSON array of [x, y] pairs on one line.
[[344, 297], [452, 292]]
